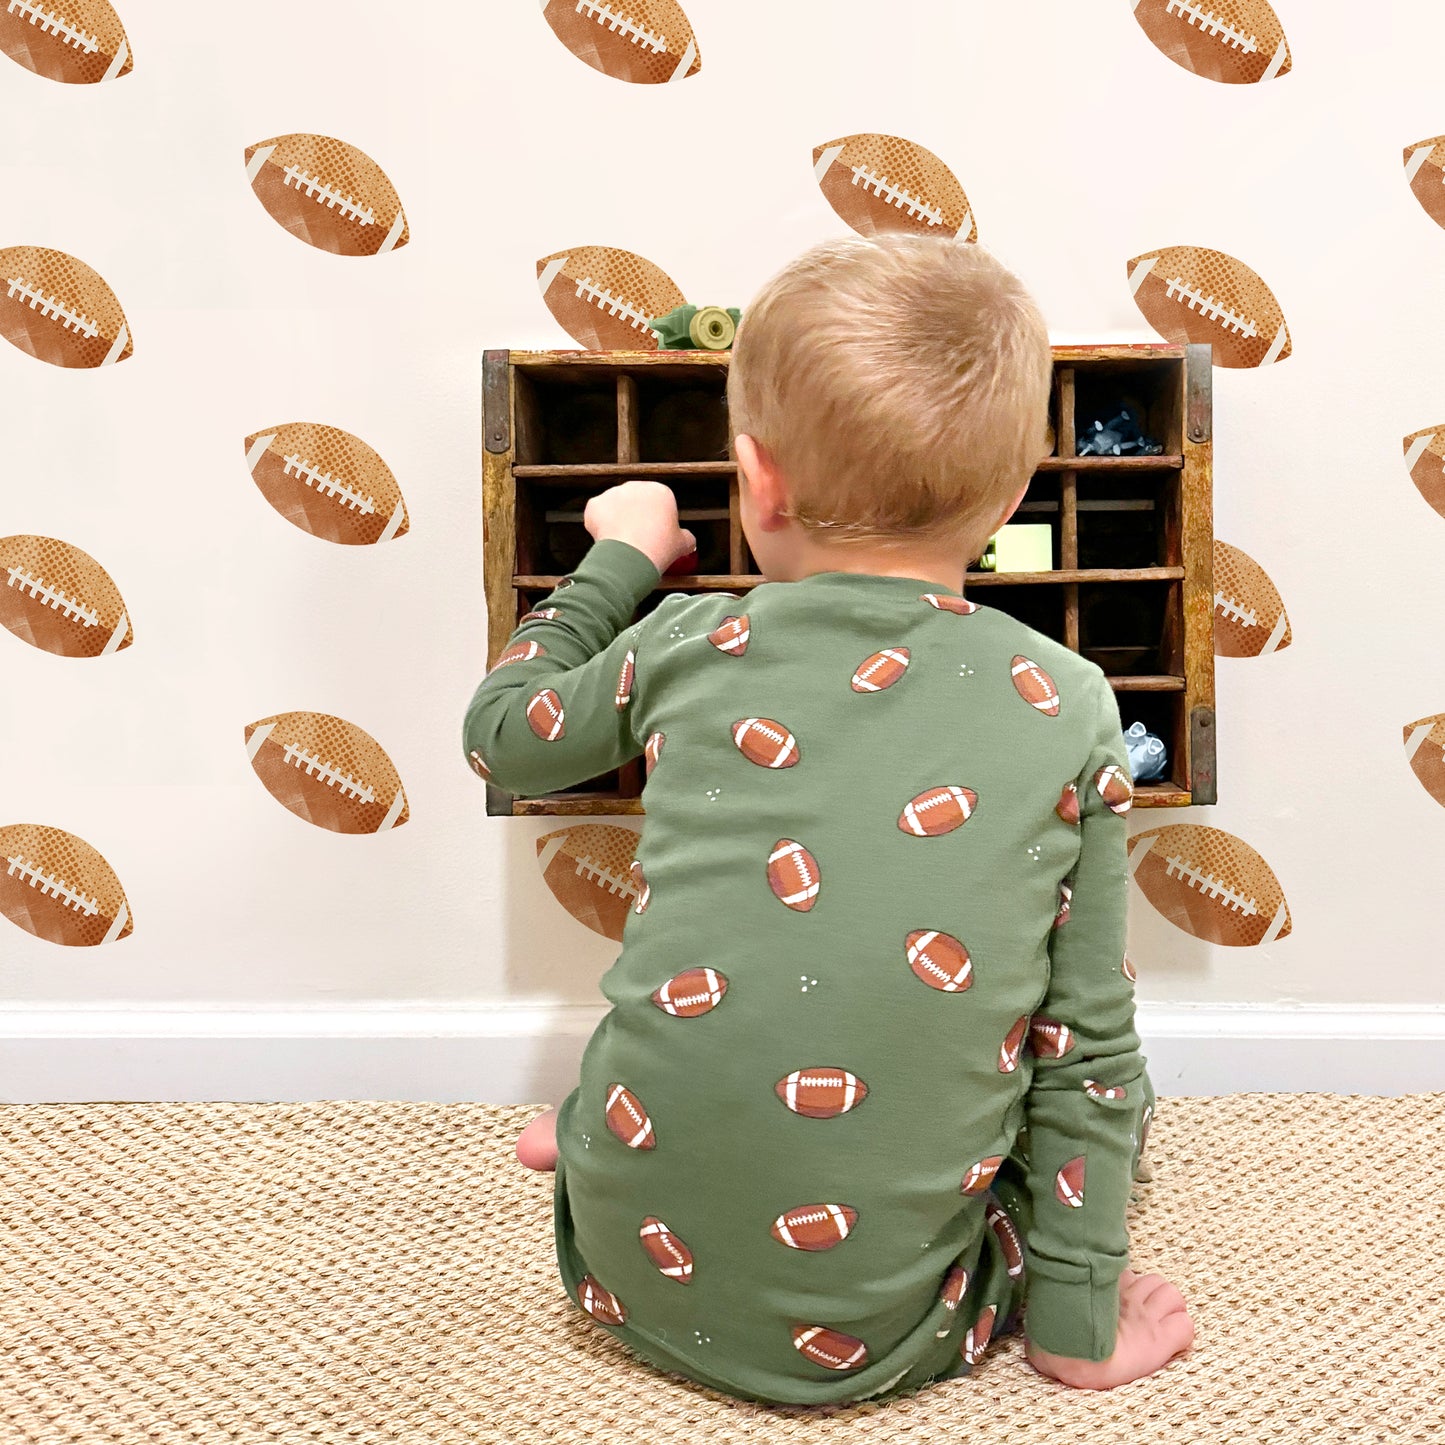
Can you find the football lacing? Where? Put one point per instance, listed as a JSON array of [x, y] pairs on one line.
[[622, 24], [1211, 24], [57, 601], [327, 484], [52, 308], [1211, 308], [52, 24], [1235, 611], [315, 189], [328, 773], [897, 196], [51, 886], [1209, 885]]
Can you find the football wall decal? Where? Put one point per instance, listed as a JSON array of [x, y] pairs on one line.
[[56, 309], [1425, 452], [1249, 617], [880, 183], [1190, 294], [605, 298], [1238, 42], [79, 42], [60, 599], [589, 870], [327, 482], [1425, 751], [59, 888], [1425, 175], [327, 193], [647, 42], [1210, 884], [327, 771]]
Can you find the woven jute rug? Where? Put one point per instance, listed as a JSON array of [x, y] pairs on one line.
[[363, 1272]]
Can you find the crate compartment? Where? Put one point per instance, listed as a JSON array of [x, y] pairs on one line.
[[566, 417], [1163, 714], [1149, 388], [1036, 605], [682, 417], [1041, 505], [552, 538], [1122, 519], [1122, 627]]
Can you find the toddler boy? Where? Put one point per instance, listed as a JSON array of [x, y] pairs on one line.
[[870, 1080]]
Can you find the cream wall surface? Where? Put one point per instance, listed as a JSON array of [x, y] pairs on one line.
[[1079, 146]]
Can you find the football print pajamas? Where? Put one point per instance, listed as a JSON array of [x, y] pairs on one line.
[[870, 1081]]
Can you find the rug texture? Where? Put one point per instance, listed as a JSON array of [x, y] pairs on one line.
[[366, 1274]]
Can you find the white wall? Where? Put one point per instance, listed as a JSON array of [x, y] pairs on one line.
[[1079, 146]]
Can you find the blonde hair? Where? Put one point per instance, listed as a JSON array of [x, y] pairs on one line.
[[900, 384]]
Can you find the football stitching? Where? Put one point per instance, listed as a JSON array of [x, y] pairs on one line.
[[328, 773], [52, 308], [53, 887], [1210, 886], [326, 484], [1212, 25], [603, 299], [898, 197], [1233, 611], [1211, 308], [620, 23], [590, 870], [57, 601], [52, 24], [315, 189]]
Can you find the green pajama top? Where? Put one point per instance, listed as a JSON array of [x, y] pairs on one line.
[[879, 929]]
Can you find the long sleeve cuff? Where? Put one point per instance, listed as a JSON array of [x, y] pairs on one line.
[[1076, 1312], [620, 570]]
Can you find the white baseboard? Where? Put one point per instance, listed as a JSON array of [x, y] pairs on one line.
[[529, 1054]]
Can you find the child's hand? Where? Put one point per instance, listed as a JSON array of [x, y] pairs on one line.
[[644, 515], [1154, 1327]]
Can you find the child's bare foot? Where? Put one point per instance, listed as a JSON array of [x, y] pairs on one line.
[[537, 1143], [1154, 1327]]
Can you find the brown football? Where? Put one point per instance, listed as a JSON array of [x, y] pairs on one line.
[[814, 1226], [821, 1092], [1095, 1090], [601, 1304], [765, 742], [1050, 1040], [80, 42], [955, 1286], [56, 886], [1068, 804], [669, 1253], [793, 875], [60, 599], [980, 1175], [830, 1348], [589, 870], [327, 482], [1237, 42], [1127, 969], [936, 811], [881, 670], [731, 636], [1008, 1053], [946, 603], [327, 193], [327, 771], [56, 309], [624, 680], [975, 1342], [646, 42], [628, 1120], [1424, 749], [1069, 1183], [544, 713], [641, 887], [1249, 615], [1115, 788], [518, 652], [1035, 686], [939, 959], [652, 751], [1006, 1232], [605, 299], [881, 183], [690, 993]]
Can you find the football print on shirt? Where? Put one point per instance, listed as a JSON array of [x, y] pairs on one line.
[[793, 875]]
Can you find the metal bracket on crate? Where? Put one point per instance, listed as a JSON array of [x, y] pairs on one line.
[[1201, 756], [496, 419], [499, 802], [1198, 393]]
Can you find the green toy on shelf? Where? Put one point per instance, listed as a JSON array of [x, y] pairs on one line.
[[696, 328]]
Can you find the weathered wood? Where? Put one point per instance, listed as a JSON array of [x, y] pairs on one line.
[[1110, 464], [1077, 574], [1142, 682], [715, 582], [737, 541], [1201, 749], [576, 805], [620, 471], [627, 447], [1199, 394]]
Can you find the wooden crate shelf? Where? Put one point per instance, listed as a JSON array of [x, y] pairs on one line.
[[1132, 585]]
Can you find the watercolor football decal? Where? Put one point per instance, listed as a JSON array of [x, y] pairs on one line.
[[78, 42], [939, 959], [59, 888], [880, 183], [601, 1304], [1425, 175], [605, 299], [327, 771], [936, 811], [731, 636], [1210, 884], [327, 193], [327, 482], [589, 870], [766, 742], [56, 309], [1237, 42], [881, 670], [1249, 617], [691, 993], [627, 1119], [1190, 294], [830, 1348], [793, 875], [670, 1254], [60, 599], [821, 1092], [981, 1175], [647, 42], [1425, 458], [815, 1227], [1425, 751]]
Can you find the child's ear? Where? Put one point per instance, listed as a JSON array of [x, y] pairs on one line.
[[759, 475]]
